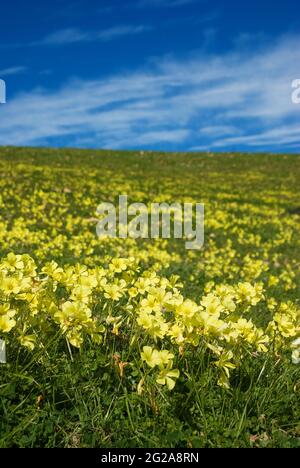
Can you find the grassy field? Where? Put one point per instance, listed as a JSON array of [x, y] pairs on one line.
[[141, 343]]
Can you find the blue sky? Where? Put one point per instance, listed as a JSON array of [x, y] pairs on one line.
[[183, 75]]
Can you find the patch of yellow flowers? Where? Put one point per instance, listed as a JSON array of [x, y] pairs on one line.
[[158, 325]]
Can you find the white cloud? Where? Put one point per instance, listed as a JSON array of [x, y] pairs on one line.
[[218, 130], [12, 71], [73, 35], [164, 3], [118, 31], [149, 138], [64, 36], [287, 135], [238, 100]]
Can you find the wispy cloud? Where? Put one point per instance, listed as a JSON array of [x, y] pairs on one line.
[[241, 100], [165, 3], [70, 36], [216, 131], [12, 71], [65, 36], [118, 31], [286, 135], [75, 36]]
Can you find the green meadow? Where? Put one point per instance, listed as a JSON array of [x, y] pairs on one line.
[[140, 342]]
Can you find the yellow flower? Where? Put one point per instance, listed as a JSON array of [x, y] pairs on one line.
[[150, 356], [187, 309], [257, 338], [28, 341], [72, 313], [153, 357], [10, 285], [114, 291], [53, 270], [176, 334], [88, 281], [75, 338], [150, 304], [7, 322], [14, 262], [212, 304], [285, 325], [224, 362], [246, 293], [166, 377], [133, 292], [145, 320], [165, 357], [244, 327], [81, 294], [118, 265]]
